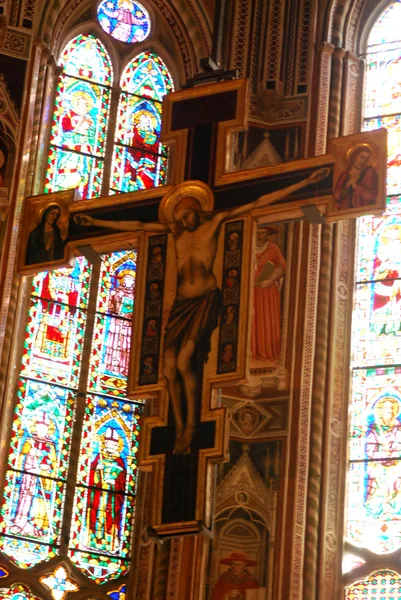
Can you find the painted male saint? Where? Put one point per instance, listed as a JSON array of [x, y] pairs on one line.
[[186, 213], [234, 583]]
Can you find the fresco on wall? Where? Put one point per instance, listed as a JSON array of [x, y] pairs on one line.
[[268, 281], [242, 551]]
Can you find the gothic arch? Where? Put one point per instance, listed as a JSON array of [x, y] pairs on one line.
[[346, 23], [181, 29]]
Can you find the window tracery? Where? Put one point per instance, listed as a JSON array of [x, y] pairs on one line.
[[374, 491]]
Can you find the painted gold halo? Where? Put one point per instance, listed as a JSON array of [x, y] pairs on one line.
[[359, 148], [188, 189]]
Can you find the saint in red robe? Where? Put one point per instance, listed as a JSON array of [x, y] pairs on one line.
[[266, 325]]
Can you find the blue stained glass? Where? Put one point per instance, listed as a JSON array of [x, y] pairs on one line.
[[147, 76], [125, 20], [34, 489], [105, 496]]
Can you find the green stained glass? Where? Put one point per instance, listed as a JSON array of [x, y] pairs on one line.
[[53, 343], [80, 118], [35, 481], [139, 159], [105, 495]]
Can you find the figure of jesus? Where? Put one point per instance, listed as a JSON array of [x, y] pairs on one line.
[[195, 311]]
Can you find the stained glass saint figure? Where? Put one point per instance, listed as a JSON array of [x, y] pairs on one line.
[[121, 304], [105, 504], [383, 448], [37, 462]]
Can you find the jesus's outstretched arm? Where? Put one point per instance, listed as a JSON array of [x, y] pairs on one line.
[[273, 197], [87, 221]]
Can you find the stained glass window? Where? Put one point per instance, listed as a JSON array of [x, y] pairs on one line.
[[374, 486], [125, 20], [31, 513], [139, 159], [75, 434], [80, 118], [382, 585], [52, 388], [17, 591]]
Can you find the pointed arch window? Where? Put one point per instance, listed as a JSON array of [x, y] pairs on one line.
[[80, 118], [373, 518], [71, 479], [139, 158]]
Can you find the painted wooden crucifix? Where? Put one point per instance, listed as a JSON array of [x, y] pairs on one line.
[[192, 261]]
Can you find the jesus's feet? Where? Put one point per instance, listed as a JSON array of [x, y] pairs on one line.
[[183, 444]]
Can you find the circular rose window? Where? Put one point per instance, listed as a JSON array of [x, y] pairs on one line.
[[124, 20]]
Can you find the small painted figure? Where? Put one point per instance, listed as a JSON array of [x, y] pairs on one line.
[[269, 271], [233, 583], [357, 186], [45, 242]]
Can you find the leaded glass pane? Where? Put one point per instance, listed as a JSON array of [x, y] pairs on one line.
[[147, 76], [125, 20], [118, 594], [382, 585], [139, 159], [382, 95], [379, 248], [73, 170], [65, 286], [85, 57], [33, 495], [134, 170], [53, 342], [386, 28], [112, 334], [80, 118], [374, 488], [17, 591], [105, 496], [374, 493], [377, 320]]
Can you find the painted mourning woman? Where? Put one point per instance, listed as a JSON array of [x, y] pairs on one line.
[[357, 186], [45, 242]]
